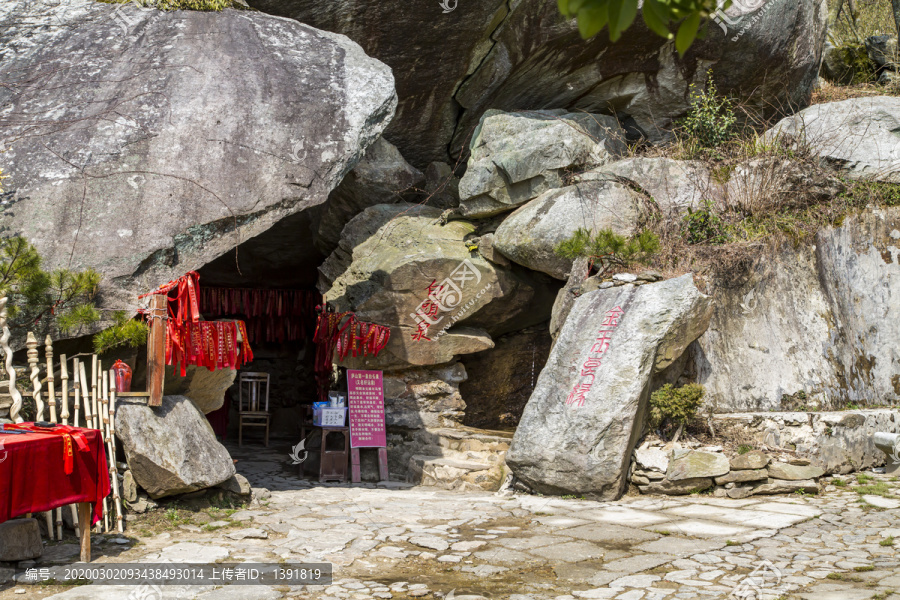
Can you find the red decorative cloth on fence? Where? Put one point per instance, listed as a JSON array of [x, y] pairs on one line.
[[190, 341], [345, 334], [33, 474]]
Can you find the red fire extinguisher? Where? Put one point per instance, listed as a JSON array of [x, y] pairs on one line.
[[123, 376]]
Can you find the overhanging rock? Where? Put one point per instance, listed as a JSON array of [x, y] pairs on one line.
[[588, 408], [145, 143]]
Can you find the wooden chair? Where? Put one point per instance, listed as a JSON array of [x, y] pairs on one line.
[[253, 389]]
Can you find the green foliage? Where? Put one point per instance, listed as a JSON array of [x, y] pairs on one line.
[[124, 332], [40, 300], [618, 15], [704, 226], [744, 449], [711, 119], [670, 405], [608, 249], [205, 5]]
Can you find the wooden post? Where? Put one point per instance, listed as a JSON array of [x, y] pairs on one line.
[[84, 525], [95, 404], [114, 468], [85, 397], [156, 348], [51, 380], [64, 400], [77, 385], [32, 344]]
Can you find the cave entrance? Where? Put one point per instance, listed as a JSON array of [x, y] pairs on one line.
[[269, 282]]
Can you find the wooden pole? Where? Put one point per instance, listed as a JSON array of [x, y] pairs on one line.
[[95, 404], [104, 413], [84, 525], [32, 344], [114, 474], [64, 400], [86, 397], [156, 348], [77, 386], [51, 380]]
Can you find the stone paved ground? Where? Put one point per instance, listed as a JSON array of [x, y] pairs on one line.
[[400, 542]]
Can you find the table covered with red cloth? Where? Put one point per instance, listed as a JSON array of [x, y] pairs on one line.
[[33, 475]]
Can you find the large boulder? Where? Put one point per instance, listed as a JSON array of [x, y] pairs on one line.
[[453, 66], [171, 449], [381, 177], [531, 234], [819, 319], [205, 388], [148, 152], [514, 157], [589, 406], [20, 539], [859, 135], [397, 265], [675, 186]]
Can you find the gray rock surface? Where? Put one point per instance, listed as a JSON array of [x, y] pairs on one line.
[[839, 442], [148, 143], [129, 487], [860, 135], [742, 476], [581, 423], [205, 388], [451, 67], [530, 235], [566, 297], [681, 487], [171, 449], [780, 470], [835, 67], [752, 460], [382, 177], [652, 459], [237, 484], [674, 185], [818, 318], [780, 486], [20, 539], [882, 50], [695, 464], [388, 258], [515, 157]]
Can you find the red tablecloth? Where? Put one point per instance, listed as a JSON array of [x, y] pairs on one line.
[[33, 476]]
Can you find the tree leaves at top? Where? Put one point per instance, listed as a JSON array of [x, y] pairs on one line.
[[618, 15], [607, 249]]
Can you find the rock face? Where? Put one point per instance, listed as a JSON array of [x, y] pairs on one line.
[[838, 442], [205, 388], [753, 460], [524, 55], [790, 472], [675, 186], [818, 319], [514, 157], [530, 235], [882, 50], [502, 379], [693, 464], [392, 258], [20, 539], [381, 177], [129, 115], [588, 409], [858, 134], [171, 449]]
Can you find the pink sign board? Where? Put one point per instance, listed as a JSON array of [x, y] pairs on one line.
[[365, 391]]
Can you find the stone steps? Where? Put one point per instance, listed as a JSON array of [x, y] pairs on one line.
[[461, 459]]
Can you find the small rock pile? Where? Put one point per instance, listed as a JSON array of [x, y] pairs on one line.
[[682, 471]]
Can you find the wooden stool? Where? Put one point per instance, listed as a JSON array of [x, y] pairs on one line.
[[333, 464]]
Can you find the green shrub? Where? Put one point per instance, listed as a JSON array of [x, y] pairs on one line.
[[711, 119], [675, 406], [205, 5], [704, 226], [124, 332], [608, 249]]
